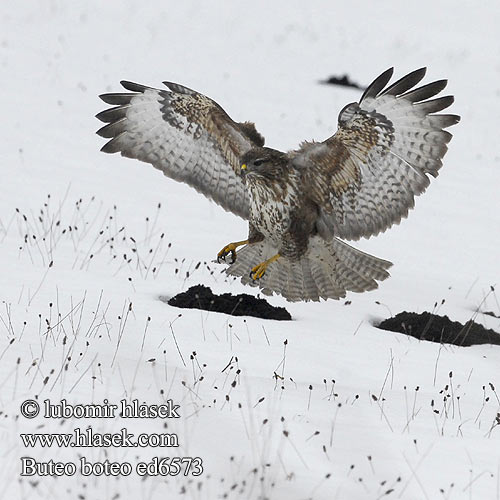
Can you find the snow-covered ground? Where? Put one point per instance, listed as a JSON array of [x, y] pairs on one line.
[[323, 407]]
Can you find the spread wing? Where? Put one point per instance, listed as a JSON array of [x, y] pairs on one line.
[[366, 176], [186, 135]]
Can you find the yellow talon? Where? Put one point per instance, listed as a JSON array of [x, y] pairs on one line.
[[230, 249], [258, 271]]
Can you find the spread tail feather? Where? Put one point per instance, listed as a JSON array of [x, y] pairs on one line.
[[326, 271]]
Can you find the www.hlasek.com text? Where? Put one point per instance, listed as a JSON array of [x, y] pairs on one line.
[[88, 438]]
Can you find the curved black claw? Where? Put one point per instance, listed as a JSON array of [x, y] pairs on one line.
[[255, 278], [223, 256]]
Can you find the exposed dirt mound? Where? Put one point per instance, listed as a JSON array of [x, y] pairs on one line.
[[201, 297], [343, 81], [434, 328]]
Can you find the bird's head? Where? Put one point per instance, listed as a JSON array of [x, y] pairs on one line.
[[262, 161]]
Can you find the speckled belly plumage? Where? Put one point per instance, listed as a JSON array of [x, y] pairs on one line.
[[269, 210]]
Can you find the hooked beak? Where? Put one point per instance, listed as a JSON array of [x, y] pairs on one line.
[[244, 166]]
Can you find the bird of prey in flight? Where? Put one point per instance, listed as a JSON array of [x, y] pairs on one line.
[[301, 204]]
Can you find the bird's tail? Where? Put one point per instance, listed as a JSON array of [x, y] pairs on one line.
[[327, 270]]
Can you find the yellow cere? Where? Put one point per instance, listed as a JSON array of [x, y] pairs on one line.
[[244, 166]]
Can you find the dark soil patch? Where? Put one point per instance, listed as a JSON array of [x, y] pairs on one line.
[[434, 328], [201, 297], [343, 81], [491, 313]]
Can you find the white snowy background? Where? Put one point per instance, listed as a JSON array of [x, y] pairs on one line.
[[82, 237]]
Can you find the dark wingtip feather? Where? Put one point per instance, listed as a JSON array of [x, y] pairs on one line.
[[426, 91], [99, 116], [133, 87], [105, 97], [100, 132], [112, 114], [406, 83], [105, 149], [443, 121], [112, 129], [435, 105], [116, 99], [111, 146], [378, 84]]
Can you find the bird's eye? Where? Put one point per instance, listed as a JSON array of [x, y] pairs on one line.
[[259, 162]]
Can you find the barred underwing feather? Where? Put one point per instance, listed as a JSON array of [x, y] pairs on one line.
[[365, 177], [184, 134]]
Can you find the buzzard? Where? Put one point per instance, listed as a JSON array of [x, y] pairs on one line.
[[357, 183]]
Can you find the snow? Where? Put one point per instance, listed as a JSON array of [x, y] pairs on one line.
[[371, 435]]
